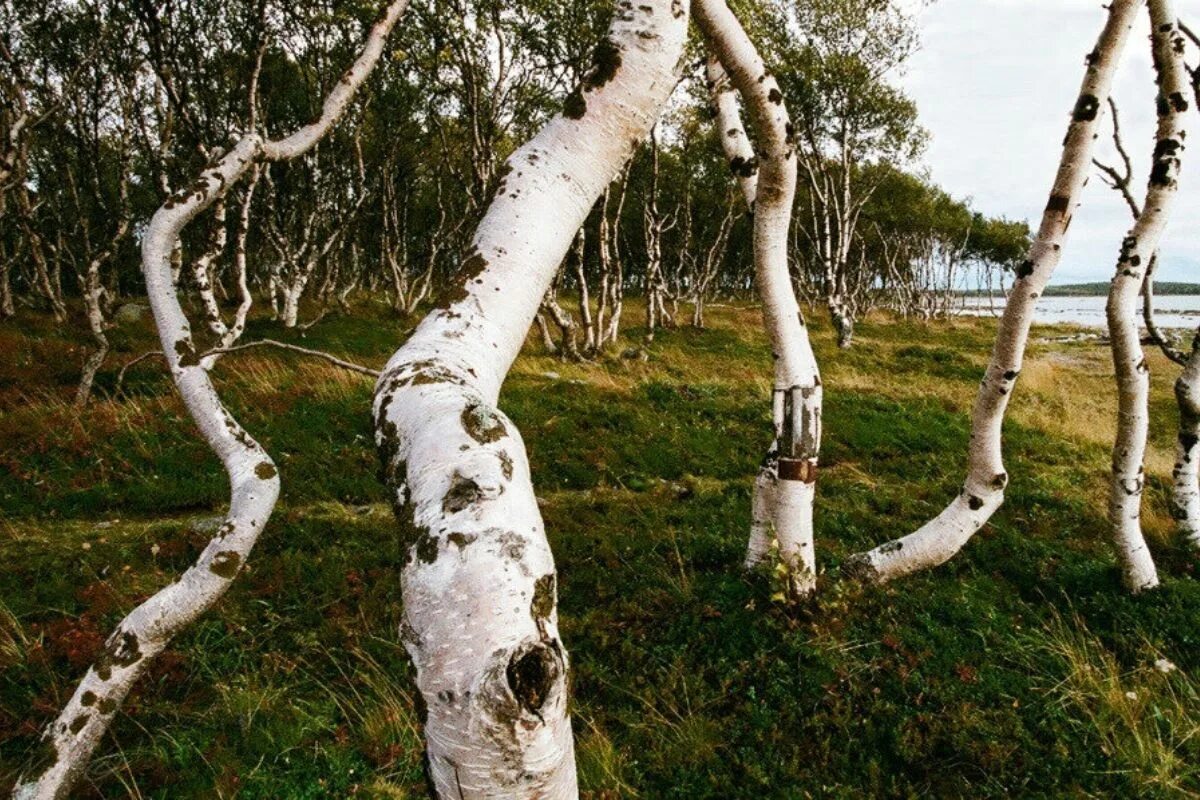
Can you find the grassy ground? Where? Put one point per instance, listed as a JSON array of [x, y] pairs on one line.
[[1020, 668]]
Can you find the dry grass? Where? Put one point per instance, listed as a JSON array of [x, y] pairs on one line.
[[1145, 720]]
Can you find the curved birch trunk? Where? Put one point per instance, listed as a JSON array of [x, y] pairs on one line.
[[784, 490], [983, 492], [91, 290], [1185, 496], [69, 740], [203, 272], [241, 273], [1137, 252], [480, 586]]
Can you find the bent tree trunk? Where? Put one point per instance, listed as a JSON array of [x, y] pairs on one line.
[[1137, 252], [480, 586], [983, 492], [69, 740], [786, 484]]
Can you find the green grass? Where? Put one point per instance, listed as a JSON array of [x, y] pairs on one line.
[[1003, 673]]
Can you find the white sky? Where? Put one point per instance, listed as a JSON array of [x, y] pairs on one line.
[[994, 83]]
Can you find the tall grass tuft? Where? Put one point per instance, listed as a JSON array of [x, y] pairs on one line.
[[1144, 719]]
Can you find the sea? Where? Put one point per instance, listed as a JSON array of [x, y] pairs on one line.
[[1170, 311]]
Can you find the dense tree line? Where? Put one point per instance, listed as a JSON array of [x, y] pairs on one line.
[[110, 109]]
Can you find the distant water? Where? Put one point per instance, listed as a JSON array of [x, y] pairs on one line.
[[1170, 311]]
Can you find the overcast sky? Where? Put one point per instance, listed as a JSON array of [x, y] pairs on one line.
[[995, 81]]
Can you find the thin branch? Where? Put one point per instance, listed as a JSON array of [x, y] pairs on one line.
[[128, 365], [332, 359]]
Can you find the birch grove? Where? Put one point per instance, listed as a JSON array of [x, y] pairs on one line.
[[530, 178], [479, 586]]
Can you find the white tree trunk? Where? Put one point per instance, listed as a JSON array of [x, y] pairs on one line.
[[254, 484], [786, 485], [1185, 498], [240, 272], [739, 150], [202, 273], [1137, 252], [291, 302], [92, 292], [983, 492], [480, 586]]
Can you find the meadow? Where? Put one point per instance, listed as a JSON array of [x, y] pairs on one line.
[[1021, 668]]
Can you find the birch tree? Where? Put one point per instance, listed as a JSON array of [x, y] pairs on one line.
[[983, 491], [69, 740], [784, 490], [1137, 252], [654, 225], [1185, 496], [1185, 486], [305, 239], [480, 585], [848, 116]]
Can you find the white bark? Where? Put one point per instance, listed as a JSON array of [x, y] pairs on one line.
[[1137, 252], [91, 290], [479, 587], [1185, 497], [241, 273], [983, 492], [291, 301], [254, 484], [786, 485], [739, 150], [203, 273]]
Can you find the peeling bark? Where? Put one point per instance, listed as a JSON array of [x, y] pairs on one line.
[[983, 492], [786, 484], [479, 585]]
